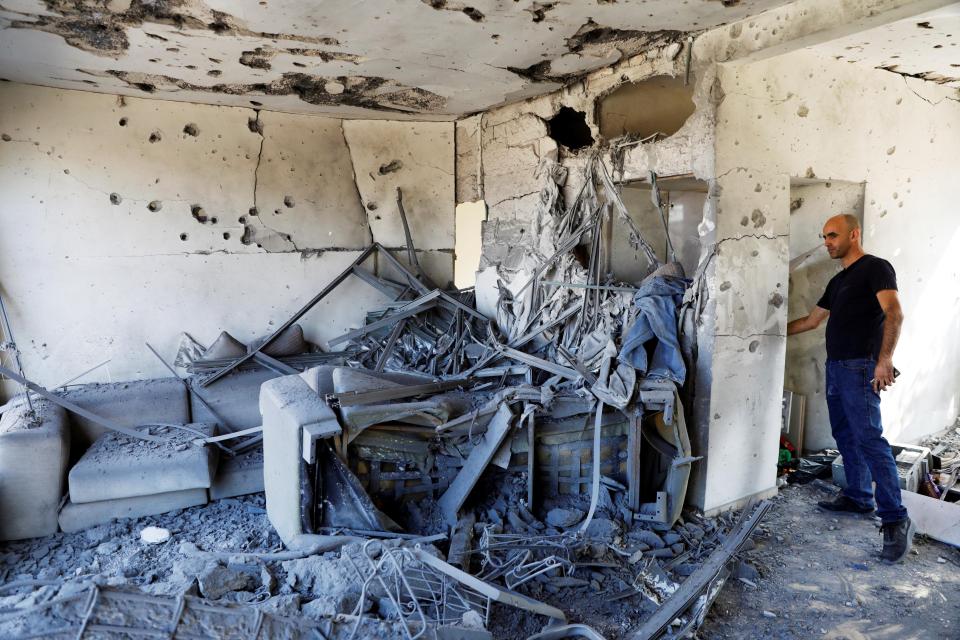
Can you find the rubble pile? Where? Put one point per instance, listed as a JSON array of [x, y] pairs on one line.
[[448, 471]]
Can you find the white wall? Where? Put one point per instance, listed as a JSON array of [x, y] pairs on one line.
[[810, 206], [85, 280], [809, 116]]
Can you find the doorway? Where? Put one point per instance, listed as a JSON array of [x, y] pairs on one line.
[[805, 419]]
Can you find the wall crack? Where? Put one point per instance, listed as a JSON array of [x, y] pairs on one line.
[[356, 185], [250, 226], [756, 236]]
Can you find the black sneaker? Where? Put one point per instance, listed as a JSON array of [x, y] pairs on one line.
[[897, 540], [843, 503]]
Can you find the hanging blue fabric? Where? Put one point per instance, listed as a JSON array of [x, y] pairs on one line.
[[657, 301]]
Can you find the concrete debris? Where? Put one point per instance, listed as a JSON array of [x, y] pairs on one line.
[[564, 518], [442, 461], [154, 535]]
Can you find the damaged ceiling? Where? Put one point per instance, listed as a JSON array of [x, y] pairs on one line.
[[925, 46], [434, 59]]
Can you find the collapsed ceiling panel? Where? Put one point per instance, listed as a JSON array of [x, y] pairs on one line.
[[925, 46], [433, 59]]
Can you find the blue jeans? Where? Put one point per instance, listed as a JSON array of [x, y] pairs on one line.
[[855, 421]]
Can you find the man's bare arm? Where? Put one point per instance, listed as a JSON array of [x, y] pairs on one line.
[[893, 319], [808, 322]]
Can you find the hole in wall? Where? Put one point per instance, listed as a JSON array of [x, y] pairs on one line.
[[123, 122], [115, 198], [226, 235], [191, 129], [289, 202], [657, 105], [390, 167], [473, 14], [672, 230], [569, 128], [183, 237], [156, 136], [155, 206]]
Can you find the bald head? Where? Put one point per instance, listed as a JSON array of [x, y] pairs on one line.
[[851, 221], [841, 236]]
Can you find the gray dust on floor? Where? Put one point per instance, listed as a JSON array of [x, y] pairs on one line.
[[820, 576]]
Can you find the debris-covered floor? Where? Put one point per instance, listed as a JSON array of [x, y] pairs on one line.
[[223, 551], [815, 574], [441, 475], [508, 461], [800, 560]]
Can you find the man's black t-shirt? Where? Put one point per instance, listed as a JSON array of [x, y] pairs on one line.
[[855, 326]]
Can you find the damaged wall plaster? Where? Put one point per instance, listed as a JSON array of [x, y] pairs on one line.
[[744, 228], [428, 60], [900, 142], [657, 105], [86, 279], [810, 202], [923, 46]]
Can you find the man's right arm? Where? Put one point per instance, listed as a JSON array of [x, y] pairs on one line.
[[808, 322]]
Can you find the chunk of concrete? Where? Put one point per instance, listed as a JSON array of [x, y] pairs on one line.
[[130, 404], [320, 379], [77, 517], [118, 466], [238, 476], [34, 454], [287, 404], [564, 518], [218, 580], [234, 398]]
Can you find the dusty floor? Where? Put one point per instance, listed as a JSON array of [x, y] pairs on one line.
[[810, 574], [820, 576]]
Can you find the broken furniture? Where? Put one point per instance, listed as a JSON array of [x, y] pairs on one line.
[[129, 404], [34, 454], [294, 417], [913, 464], [122, 477]]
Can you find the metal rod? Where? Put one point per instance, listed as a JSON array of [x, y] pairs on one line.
[[353, 398], [78, 376], [195, 393], [296, 316], [574, 285], [423, 303], [16, 351], [411, 250], [275, 365], [69, 406]]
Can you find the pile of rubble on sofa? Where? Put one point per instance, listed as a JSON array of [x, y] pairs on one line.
[[443, 475]]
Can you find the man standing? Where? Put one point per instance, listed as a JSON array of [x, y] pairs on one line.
[[862, 332]]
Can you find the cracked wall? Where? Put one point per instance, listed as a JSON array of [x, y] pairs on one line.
[[128, 220], [807, 352], [805, 115], [761, 117]]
